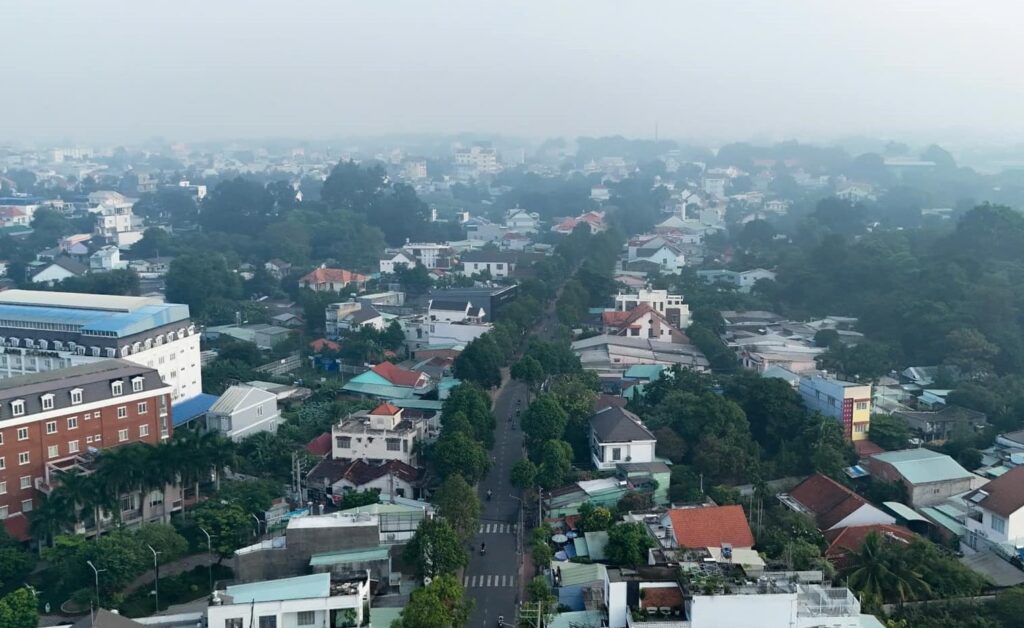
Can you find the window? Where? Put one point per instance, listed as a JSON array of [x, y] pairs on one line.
[[259, 410], [268, 621], [96, 438], [616, 453], [860, 428], [17, 407], [72, 446], [22, 433], [24, 458], [96, 414], [233, 622], [137, 384], [142, 408], [122, 435], [25, 482], [88, 439], [51, 427], [117, 388], [344, 442], [47, 402], [26, 505], [72, 423], [306, 618], [3, 512], [862, 405], [394, 444], [122, 412], [76, 396], [143, 431], [1, 438], [3, 463], [3, 488], [52, 451], [999, 524]]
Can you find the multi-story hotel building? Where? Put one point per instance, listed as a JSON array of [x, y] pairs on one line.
[[56, 420], [44, 331]]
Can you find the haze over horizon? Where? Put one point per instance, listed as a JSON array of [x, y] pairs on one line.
[[709, 72]]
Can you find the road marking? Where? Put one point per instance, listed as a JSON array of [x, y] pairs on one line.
[[497, 528], [492, 581]]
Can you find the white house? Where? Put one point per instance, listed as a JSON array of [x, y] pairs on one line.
[[454, 311], [242, 411], [313, 600], [643, 321], [670, 305], [106, 259], [499, 264], [522, 221], [832, 505], [377, 436], [997, 511], [395, 259], [60, 268], [617, 436]]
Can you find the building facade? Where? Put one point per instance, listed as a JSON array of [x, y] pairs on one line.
[[45, 331], [671, 306], [52, 418], [847, 402]]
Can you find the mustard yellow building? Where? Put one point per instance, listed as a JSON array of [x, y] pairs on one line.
[[848, 402]]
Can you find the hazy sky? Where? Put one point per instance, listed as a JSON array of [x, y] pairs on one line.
[[712, 70]]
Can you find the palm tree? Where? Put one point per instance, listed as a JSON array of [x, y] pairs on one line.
[[120, 470], [907, 581], [162, 469], [221, 454], [879, 571], [52, 517], [79, 492]]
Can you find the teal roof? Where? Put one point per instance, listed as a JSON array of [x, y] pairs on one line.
[[945, 521], [996, 471], [369, 377], [580, 545], [649, 372], [904, 511], [596, 544], [572, 619], [349, 556], [383, 391], [921, 466], [382, 508], [297, 588], [418, 404], [448, 383]]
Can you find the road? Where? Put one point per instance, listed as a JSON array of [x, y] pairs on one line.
[[492, 580]]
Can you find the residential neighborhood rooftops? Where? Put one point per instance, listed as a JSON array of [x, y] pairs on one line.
[[920, 466], [332, 275], [618, 425], [1003, 495], [710, 526], [829, 501]]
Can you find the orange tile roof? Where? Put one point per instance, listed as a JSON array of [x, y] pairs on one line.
[[321, 445], [828, 500], [396, 374], [385, 409], [322, 343], [845, 541], [711, 526], [657, 597], [333, 275]]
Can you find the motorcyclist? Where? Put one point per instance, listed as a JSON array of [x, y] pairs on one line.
[[483, 548], [488, 494]]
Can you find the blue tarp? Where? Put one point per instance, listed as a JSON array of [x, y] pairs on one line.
[[185, 411]]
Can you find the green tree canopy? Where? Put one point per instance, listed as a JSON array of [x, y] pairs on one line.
[[435, 549], [459, 504]]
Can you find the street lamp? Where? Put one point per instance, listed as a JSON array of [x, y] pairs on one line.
[[209, 556], [156, 568], [96, 572], [257, 525]]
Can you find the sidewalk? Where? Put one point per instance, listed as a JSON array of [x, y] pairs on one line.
[[173, 568]]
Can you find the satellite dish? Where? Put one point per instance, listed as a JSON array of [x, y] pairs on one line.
[[427, 580]]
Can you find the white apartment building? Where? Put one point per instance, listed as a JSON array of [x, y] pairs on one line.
[[377, 436], [671, 306], [313, 600], [45, 331]]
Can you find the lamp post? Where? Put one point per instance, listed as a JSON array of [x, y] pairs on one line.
[[257, 525], [209, 556], [156, 582], [96, 572]]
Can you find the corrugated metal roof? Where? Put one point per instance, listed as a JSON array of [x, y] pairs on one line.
[[297, 588], [349, 556], [945, 521], [384, 391], [579, 573], [920, 466], [237, 396], [904, 511], [185, 411]]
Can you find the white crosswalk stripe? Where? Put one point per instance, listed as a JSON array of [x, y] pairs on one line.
[[489, 581], [497, 528]]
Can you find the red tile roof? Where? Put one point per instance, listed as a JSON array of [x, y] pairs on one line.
[[322, 343], [845, 541], [866, 448], [17, 527], [397, 375], [711, 526], [830, 501], [333, 275], [320, 446], [657, 597], [385, 409], [614, 318]]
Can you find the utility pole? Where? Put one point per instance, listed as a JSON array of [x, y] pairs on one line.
[[96, 572], [209, 557]]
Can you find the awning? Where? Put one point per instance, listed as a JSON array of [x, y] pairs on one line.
[[945, 521], [905, 512]]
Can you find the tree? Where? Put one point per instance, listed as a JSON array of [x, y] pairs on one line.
[[459, 453], [459, 504], [19, 609], [356, 499], [528, 371], [15, 563], [253, 495], [555, 463], [594, 518], [155, 242], [227, 523], [237, 206], [200, 281], [628, 544], [523, 474], [480, 362], [888, 431], [164, 539], [544, 420], [435, 549], [440, 604]]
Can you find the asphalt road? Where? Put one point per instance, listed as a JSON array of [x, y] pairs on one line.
[[492, 580]]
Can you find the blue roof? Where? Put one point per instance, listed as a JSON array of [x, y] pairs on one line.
[[20, 200], [120, 324], [184, 411], [300, 587]]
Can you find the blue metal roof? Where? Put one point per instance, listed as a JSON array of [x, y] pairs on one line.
[[184, 411], [120, 324]]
